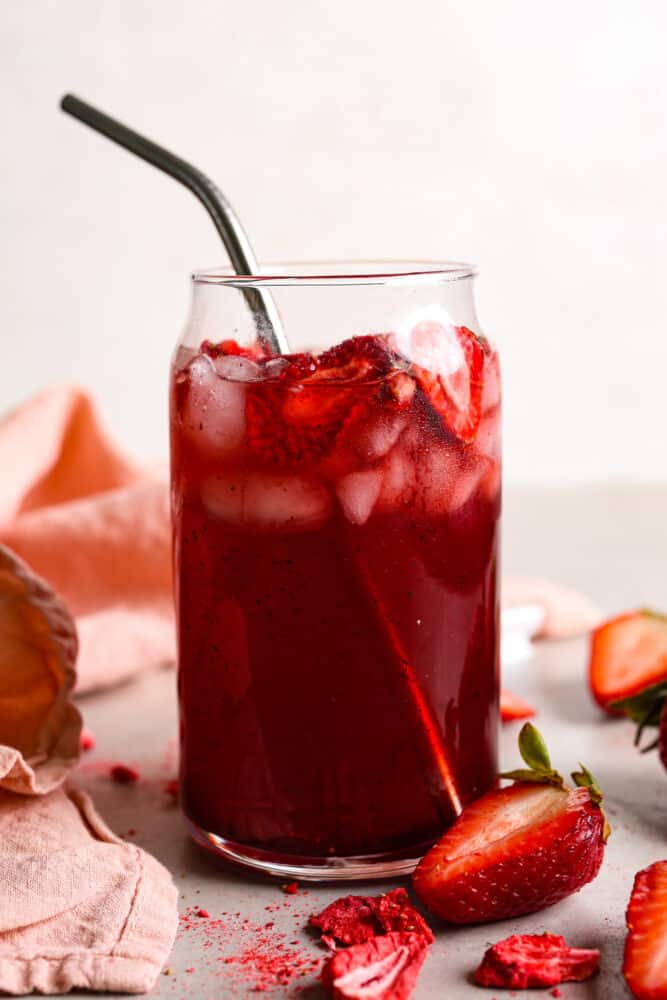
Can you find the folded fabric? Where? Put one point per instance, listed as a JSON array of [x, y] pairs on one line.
[[78, 907], [95, 524]]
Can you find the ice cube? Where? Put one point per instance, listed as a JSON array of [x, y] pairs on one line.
[[238, 369], [487, 439], [267, 502], [213, 412], [357, 493], [380, 435], [449, 476], [491, 388], [398, 480]]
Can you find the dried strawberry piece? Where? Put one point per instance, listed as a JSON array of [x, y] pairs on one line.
[[395, 912], [526, 960], [349, 920], [355, 919], [384, 968]]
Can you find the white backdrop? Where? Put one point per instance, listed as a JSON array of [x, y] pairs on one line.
[[530, 137]]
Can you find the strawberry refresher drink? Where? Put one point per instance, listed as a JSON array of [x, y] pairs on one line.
[[335, 538]]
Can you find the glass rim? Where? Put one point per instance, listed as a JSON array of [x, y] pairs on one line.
[[339, 272]]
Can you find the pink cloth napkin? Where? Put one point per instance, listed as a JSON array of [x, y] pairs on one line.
[[78, 906], [96, 526]]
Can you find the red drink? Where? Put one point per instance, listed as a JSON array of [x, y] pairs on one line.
[[335, 526]]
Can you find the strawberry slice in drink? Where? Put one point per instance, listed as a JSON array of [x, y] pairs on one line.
[[447, 362], [298, 416], [517, 850]]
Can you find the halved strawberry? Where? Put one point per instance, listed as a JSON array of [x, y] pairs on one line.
[[519, 849], [384, 968], [528, 960], [645, 958], [628, 654], [448, 364], [512, 707]]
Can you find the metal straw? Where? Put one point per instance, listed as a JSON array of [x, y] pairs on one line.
[[225, 220], [270, 332]]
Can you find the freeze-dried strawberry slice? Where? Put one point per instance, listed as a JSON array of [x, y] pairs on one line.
[[298, 415], [384, 968], [448, 364], [354, 919], [526, 960], [349, 920]]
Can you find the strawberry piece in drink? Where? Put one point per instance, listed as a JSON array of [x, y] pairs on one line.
[[517, 850], [523, 961]]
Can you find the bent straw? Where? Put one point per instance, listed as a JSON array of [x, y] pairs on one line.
[[225, 220], [429, 726], [270, 332]]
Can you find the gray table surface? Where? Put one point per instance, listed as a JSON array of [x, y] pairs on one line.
[[611, 543]]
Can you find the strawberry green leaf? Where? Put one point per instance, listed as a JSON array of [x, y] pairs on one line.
[[643, 708], [538, 777], [533, 749]]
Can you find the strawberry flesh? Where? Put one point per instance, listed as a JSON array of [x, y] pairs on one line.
[[645, 957], [448, 364], [512, 707], [355, 919], [513, 851], [384, 968], [628, 653], [532, 960]]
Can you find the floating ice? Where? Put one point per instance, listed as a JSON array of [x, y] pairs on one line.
[[357, 493], [213, 412], [398, 480], [267, 502], [237, 369]]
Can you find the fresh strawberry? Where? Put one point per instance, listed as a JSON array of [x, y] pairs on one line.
[[384, 968], [528, 960], [645, 958], [448, 364], [519, 849], [512, 707], [628, 654], [355, 919], [648, 708]]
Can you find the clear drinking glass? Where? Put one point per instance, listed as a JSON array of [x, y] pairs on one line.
[[335, 518]]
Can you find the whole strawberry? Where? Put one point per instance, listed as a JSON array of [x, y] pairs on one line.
[[520, 849]]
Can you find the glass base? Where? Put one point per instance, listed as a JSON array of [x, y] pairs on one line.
[[309, 869]]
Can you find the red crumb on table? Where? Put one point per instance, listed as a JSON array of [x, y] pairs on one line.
[[203, 913], [532, 960], [171, 788], [191, 969], [131, 832], [123, 775], [249, 957], [87, 739], [556, 992], [291, 888]]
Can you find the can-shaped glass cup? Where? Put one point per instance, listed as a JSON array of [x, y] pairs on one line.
[[335, 516]]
